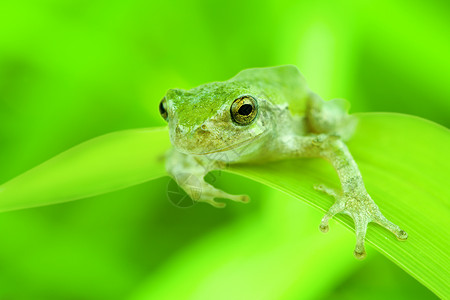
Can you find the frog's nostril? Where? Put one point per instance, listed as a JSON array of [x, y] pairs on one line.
[[204, 127], [178, 130]]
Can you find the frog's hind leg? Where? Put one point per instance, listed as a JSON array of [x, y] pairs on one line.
[[330, 117]]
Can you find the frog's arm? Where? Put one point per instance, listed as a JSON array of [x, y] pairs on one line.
[[189, 172], [353, 199]]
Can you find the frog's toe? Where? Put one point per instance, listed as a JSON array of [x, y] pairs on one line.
[[212, 193], [336, 208], [224, 195], [324, 227], [402, 235], [239, 198], [324, 189], [381, 220], [360, 254], [209, 197], [361, 230], [216, 203]]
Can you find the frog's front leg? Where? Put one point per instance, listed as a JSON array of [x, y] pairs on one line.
[[189, 172], [353, 199]]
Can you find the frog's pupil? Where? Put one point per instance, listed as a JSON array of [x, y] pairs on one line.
[[162, 109], [245, 109]]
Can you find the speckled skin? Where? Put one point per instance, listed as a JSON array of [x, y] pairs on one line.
[[291, 122]]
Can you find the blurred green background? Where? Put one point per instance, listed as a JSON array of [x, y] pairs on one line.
[[73, 70]]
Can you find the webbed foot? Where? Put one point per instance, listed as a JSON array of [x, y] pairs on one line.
[[201, 191], [363, 210]]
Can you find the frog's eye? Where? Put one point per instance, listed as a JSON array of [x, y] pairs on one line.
[[163, 109], [244, 110]]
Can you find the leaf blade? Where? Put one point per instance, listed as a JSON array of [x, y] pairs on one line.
[[104, 164], [417, 209], [401, 157]]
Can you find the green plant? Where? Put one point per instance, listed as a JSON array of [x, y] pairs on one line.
[[402, 158]]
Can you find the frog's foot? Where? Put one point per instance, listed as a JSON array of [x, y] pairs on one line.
[[209, 194], [363, 210], [201, 191]]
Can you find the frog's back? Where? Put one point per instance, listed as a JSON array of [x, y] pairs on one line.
[[281, 85]]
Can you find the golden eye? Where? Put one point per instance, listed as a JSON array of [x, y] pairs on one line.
[[163, 109], [244, 110]]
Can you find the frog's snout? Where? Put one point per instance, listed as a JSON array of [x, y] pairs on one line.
[[192, 140], [181, 132]]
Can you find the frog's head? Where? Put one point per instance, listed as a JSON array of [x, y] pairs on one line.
[[214, 117], [221, 116]]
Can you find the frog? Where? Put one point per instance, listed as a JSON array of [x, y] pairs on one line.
[[259, 116]]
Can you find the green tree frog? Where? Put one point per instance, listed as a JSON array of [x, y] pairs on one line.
[[261, 115]]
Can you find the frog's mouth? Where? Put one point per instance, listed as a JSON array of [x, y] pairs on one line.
[[230, 147]]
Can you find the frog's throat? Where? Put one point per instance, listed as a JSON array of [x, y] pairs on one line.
[[230, 147]]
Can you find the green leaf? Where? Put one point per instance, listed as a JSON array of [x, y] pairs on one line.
[[403, 160], [100, 165], [278, 253]]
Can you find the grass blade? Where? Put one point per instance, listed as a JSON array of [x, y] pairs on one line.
[[403, 159]]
